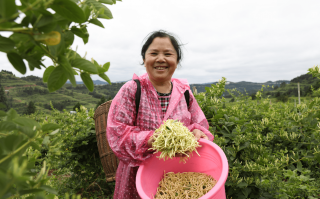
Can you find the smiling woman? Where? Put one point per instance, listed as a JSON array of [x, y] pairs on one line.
[[129, 131]]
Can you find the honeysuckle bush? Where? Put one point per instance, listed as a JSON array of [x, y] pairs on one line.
[[315, 72], [46, 29], [272, 148], [76, 155], [18, 174]]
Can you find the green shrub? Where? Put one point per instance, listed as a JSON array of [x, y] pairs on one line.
[[272, 149], [283, 98]]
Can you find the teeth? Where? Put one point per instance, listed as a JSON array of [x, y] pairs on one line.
[[159, 68]]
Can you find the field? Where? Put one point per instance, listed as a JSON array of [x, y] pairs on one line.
[[20, 91], [272, 147]]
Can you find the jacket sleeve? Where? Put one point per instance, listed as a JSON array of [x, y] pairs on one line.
[[198, 119], [125, 139]]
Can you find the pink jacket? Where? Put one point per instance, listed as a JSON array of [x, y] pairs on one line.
[[128, 138]]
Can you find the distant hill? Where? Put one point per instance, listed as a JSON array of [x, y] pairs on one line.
[[20, 91], [240, 86]]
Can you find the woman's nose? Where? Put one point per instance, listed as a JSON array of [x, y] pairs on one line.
[[161, 58]]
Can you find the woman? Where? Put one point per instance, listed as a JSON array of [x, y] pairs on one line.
[[162, 97]]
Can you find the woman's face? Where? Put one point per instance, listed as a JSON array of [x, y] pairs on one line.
[[160, 60]]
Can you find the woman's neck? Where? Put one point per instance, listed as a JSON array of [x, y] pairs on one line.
[[162, 87]]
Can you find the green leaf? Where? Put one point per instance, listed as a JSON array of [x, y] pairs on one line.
[[35, 146], [7, 126], [106, 66], [33, 63], [47, 73], [85, 65], [99, 68], [26, 122], [311, 104], [23, 42], [46, 140], [48, 28], [17, 62], [46, 23], [57, 78], [86, 10], [6, 44], [69, 10], [66, 65], [105, 77], [7, 8], [77, 31], [82, 33], [242, 185], [110, 2], [12, 142], [68, 38], [86, 38], [12, 114], [87, 81], [96, 22], [2, 113], [299, 166], [50, 127], [45, 20], [49, 189], [104, 12]]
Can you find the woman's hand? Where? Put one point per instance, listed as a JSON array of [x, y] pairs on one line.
[[152, 139], [199, 134]]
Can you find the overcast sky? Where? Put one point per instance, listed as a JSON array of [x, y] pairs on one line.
[[245, 40]]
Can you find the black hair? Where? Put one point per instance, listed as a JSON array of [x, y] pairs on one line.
[[161, 34]]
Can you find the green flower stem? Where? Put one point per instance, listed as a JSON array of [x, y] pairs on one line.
[[16, 151], [48, 53], [21, 30]]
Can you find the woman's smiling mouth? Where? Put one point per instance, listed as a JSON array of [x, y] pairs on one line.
[[161, 67]]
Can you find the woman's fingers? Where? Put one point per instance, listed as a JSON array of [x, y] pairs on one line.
[[182, 155], [204, 136], [197, 134]]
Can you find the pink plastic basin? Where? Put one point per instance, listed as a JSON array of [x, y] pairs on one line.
[[212, 161]]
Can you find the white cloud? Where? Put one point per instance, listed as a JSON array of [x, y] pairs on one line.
[[241, 40]]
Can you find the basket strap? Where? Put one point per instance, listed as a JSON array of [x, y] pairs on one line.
[[187, 96], [138, 95]]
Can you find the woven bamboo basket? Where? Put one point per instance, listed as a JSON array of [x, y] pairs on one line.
[[108, 159]]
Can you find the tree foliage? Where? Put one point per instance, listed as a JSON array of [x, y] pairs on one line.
[[77, 106], [3, 100], [41, 33], [42, 29], [31, 108]]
